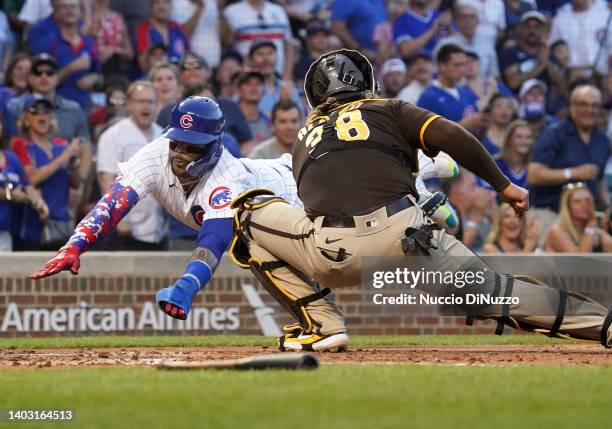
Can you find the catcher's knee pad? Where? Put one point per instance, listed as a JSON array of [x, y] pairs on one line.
[[244, 204], [296, 306]]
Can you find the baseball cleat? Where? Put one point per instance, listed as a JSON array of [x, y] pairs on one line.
[[299, 341]]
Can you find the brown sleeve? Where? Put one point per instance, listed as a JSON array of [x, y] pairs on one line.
[[450, 137], [414, 121]]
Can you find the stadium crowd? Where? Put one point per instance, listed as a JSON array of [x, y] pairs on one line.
[[87, 83]]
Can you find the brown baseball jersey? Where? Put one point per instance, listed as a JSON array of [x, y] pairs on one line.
[[341, 161]]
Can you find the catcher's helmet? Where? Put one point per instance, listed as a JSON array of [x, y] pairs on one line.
[[343, 74], [198, 121]]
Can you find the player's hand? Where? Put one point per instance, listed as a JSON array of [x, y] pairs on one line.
[[68, 258], [517, 197], [176, 300]]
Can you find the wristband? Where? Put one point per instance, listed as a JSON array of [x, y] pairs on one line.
[[199, 272], [471, 224], [7, 191], [567, 173]]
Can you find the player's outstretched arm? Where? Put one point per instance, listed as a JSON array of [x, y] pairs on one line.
[[213, 239], [447, 136], [94, 227]]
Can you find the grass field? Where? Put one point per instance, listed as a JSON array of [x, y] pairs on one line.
[[334, 396]]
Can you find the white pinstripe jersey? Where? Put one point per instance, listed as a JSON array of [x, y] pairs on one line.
[[149, 171]]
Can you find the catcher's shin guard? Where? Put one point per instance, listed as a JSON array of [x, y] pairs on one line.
[[567, 299], [296, 306]]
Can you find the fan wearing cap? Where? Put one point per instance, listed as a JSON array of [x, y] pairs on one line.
[[76, 55], [194, 178], [263, 58], [532, 105], [529, 58], [316, 43], [51, 164], [393, 76], [250, 89]]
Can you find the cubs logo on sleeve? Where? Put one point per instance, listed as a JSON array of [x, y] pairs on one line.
[[220, 197], [198, 214], [186, 121]]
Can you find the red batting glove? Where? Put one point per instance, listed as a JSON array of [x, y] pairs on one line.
[[66, 259]]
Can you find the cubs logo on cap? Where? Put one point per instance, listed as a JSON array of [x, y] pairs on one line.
[[220, 198], [186, 121]]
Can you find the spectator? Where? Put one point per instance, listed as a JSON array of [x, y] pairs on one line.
[[420, 73], [103, 117], [143, 227], [110, 32], [229, 67], [301, 12], [7, 40], [250, 88], [12, 9], [528, 59], [515, 9], [532, 105], [512, 234], [576, 229], [446, 97], [475, 206], [15, 81], [263, 58], [42, 81], [165, 79], [34, 11], [51, 164], [75, 54], [16, 78], [315, 44], [383, 32], [501, 109], [193, 71], [491, 18], [251, 20], [393, 76], [354, 21], [159, 29], [15, 189], [572, 150], [200, 19], [420, 28], [466, 18], [483, 88], [133, 11], [285, 126], [582, 25], [513, 160]]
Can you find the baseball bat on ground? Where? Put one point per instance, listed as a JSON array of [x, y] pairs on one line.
[[269, 361]]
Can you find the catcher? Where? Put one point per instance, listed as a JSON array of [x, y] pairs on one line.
[[355, 163], [190, 173]]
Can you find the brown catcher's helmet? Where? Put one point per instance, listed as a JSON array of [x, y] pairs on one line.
[[343, 74]]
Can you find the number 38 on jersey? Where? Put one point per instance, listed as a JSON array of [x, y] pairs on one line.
[[349, 126]]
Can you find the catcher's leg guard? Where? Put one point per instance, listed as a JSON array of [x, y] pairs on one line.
[[568, 323], [296, 306]]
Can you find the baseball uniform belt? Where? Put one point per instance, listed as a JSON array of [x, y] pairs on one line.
[[349, 222]]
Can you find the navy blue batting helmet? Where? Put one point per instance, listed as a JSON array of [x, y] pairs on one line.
[[198, 121]]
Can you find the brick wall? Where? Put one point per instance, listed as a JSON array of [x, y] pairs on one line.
[[112, 281]]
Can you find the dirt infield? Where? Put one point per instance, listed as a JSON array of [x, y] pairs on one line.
[[570, 354]]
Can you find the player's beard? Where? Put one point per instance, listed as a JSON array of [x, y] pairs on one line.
[[178, 165]]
